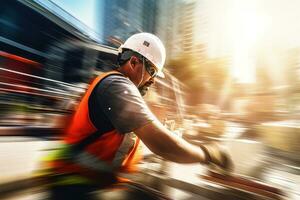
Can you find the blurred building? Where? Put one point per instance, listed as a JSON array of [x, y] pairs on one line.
[[46, 60], [121, 18], [187, 22], [167, 26], [176, 26], [192, 27]]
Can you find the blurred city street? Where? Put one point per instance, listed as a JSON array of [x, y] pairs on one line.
[[20, 160]]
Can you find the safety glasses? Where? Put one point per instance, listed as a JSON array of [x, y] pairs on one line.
[[149, 68]]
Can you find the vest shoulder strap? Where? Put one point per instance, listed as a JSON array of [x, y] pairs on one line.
[[91, 138]]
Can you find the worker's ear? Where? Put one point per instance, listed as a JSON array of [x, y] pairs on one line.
[[134, 61]]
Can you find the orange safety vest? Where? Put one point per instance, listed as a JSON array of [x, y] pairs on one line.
[[111, 152]]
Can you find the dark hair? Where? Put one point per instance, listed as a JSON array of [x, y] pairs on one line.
[[126, 55]]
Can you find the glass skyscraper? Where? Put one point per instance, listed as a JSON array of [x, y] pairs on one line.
[[118, 19]]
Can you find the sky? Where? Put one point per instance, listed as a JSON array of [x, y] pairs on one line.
[[84, 10]]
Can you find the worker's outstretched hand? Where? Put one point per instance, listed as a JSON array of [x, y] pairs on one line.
[[218, 155]]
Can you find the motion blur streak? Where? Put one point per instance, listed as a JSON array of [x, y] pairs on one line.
[[232, 76]]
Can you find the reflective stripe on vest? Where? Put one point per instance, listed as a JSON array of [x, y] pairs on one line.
[[127, 144], [89, 161]]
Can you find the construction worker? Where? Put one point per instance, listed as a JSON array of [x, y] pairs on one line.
[[112, 117]]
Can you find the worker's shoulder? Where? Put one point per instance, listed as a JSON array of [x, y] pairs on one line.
[[115, 81]]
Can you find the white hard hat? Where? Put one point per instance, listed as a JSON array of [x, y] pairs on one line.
[[149, 46]]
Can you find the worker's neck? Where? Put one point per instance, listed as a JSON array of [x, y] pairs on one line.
[[126, 70], [123, 71]]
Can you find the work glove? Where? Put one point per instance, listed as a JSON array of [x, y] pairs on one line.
[[217, 155]]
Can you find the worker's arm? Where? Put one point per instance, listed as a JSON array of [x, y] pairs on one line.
[[117, 104], [164, 143], [169, 146]]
